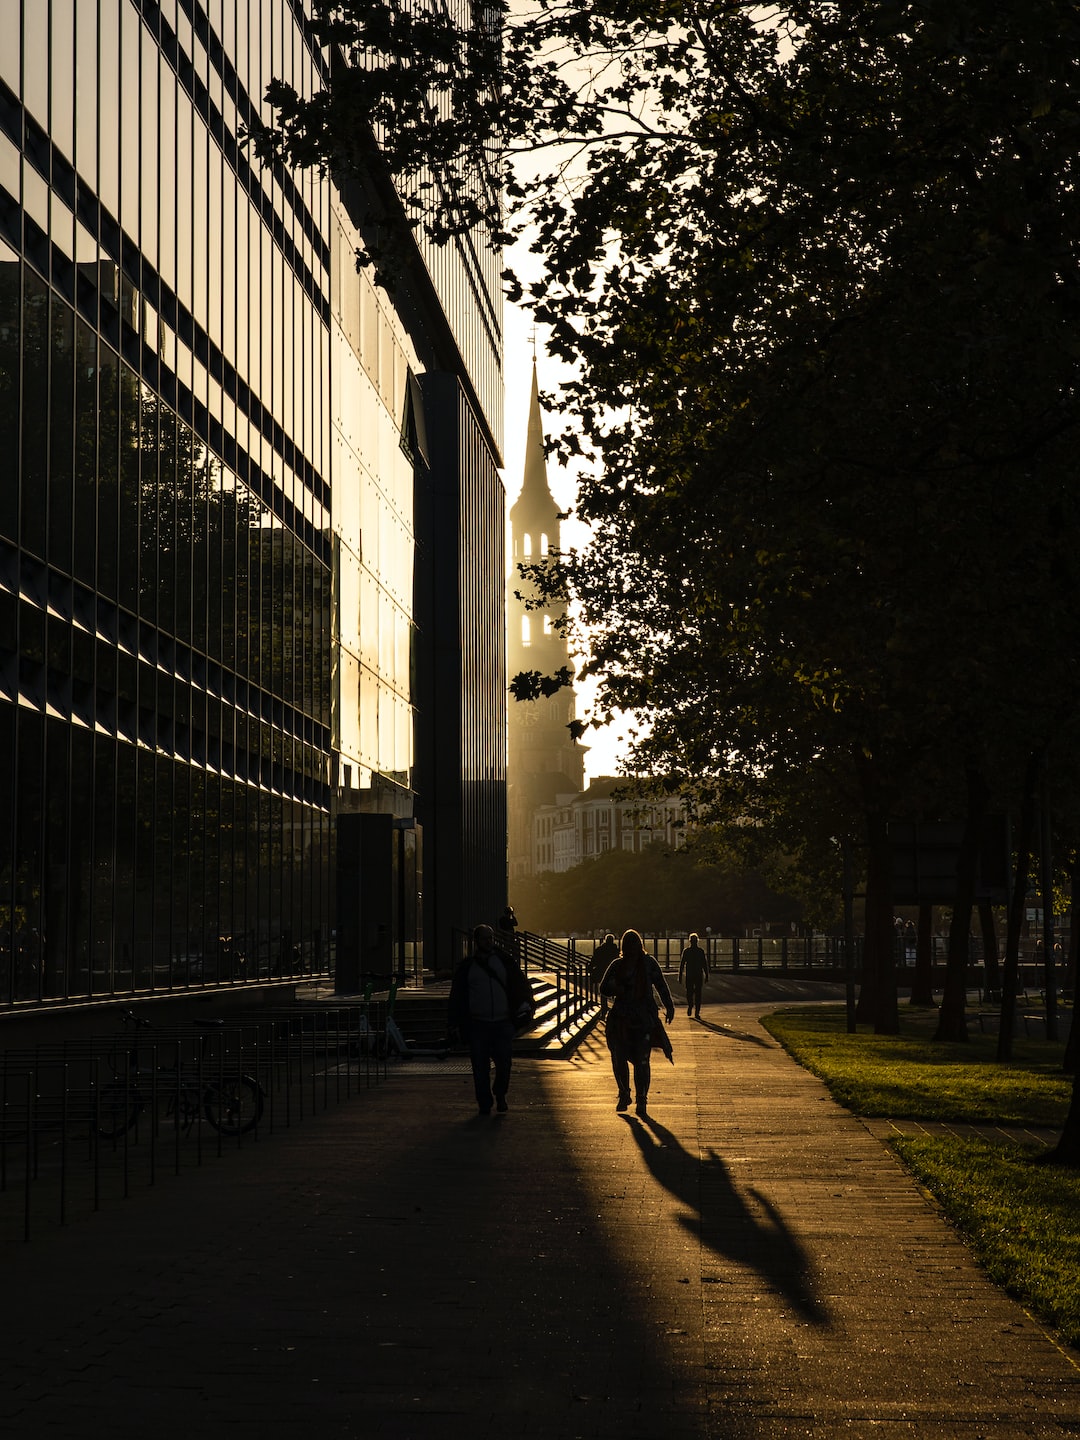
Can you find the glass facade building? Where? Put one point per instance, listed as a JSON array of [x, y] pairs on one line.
[[223, 583]]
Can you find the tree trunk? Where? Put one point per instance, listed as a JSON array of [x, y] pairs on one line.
[[1067, 1150], [879, 922], [1046, 889], [866, 1004], [922, 981], [1072, 1047], [952, 1020], [1010, 974], [991, 961], [877, 996]]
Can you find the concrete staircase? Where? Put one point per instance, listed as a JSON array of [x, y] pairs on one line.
[[563, 1018]]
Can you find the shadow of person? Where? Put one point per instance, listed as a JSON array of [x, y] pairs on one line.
[[731, 1034], [717, 1209]]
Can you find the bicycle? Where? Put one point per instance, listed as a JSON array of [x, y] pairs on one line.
[[230, 1101]]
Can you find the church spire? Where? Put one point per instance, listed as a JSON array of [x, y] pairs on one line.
[[535, 508], [543, 758]]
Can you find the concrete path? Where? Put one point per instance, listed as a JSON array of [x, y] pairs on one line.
[[748, 1261]]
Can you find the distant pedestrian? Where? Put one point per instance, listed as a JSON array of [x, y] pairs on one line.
[[489, 998], [630, 981], [695, 965], [603, 955], [506, 928]]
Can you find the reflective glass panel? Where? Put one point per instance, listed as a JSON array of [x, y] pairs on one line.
[[10, 298], [35, 412], [168, 539], [154, 177], [183, 196], [108, 470], [62, 66], [129, 119], [86, 92], [61, 436], [167, 192], [129, 490], [28, 877], [35, 89], [149, 459], [10, 165], [86, 411], [199, 185], [77, 810], [109, 119], [7, 862], [105, 884]]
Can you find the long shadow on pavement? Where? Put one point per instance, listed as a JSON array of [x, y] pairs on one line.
[[731, 1034], [718, 1210]]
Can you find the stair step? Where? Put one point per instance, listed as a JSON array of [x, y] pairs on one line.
[[421, 1018]]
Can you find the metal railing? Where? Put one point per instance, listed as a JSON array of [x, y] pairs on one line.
[[87, 1121], [575, 993], [735, 953]]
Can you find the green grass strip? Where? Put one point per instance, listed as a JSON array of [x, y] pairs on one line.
[[911, 1076], [1021, 1218]]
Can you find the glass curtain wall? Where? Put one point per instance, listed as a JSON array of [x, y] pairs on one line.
[[372, 357], [165, 540]]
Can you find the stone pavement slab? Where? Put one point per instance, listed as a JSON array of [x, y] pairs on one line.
[[747, 1261]]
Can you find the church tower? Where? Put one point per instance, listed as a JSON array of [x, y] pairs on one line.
[[543, 759]]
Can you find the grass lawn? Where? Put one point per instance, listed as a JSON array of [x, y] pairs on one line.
[[912, 1077], [1022, 1218]]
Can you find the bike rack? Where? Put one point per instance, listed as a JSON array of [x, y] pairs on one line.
[[159, 1086]]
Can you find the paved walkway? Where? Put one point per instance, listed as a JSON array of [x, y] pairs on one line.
[[749, 1261]]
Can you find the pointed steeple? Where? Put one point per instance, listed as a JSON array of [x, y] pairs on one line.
[[535, 512], [543, 759]]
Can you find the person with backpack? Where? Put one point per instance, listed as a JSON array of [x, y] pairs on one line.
[[490, 999]]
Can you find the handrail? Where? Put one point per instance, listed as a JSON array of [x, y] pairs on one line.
[[575, 991]]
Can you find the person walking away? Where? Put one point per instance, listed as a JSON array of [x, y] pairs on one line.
[[603, 955], [630, 982], [486, 994], [695, 965], [506, 928]]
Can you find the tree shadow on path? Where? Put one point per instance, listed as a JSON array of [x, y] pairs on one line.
[[754, 1235]]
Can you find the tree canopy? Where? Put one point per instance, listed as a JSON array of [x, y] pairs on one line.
[[816, 267], [654, 890]]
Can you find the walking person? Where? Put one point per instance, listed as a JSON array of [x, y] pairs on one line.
[[506, 931], [489, 999], [603, 955], [630, 982], [695, 964]]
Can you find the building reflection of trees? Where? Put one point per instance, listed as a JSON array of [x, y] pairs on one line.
[[748, 1234], [188, 634]]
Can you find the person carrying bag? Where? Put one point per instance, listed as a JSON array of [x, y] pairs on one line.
[[490, 1000], [633, 1025]]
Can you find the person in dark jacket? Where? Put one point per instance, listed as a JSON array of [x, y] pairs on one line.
[[630, 983], [488, 998], [695, 965], [506, 928], [603, 955]]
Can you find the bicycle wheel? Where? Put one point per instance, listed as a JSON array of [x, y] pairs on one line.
[[118, 1110], [233, 1106]]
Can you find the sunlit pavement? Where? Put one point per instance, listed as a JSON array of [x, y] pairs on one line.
[[749, 1260]]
